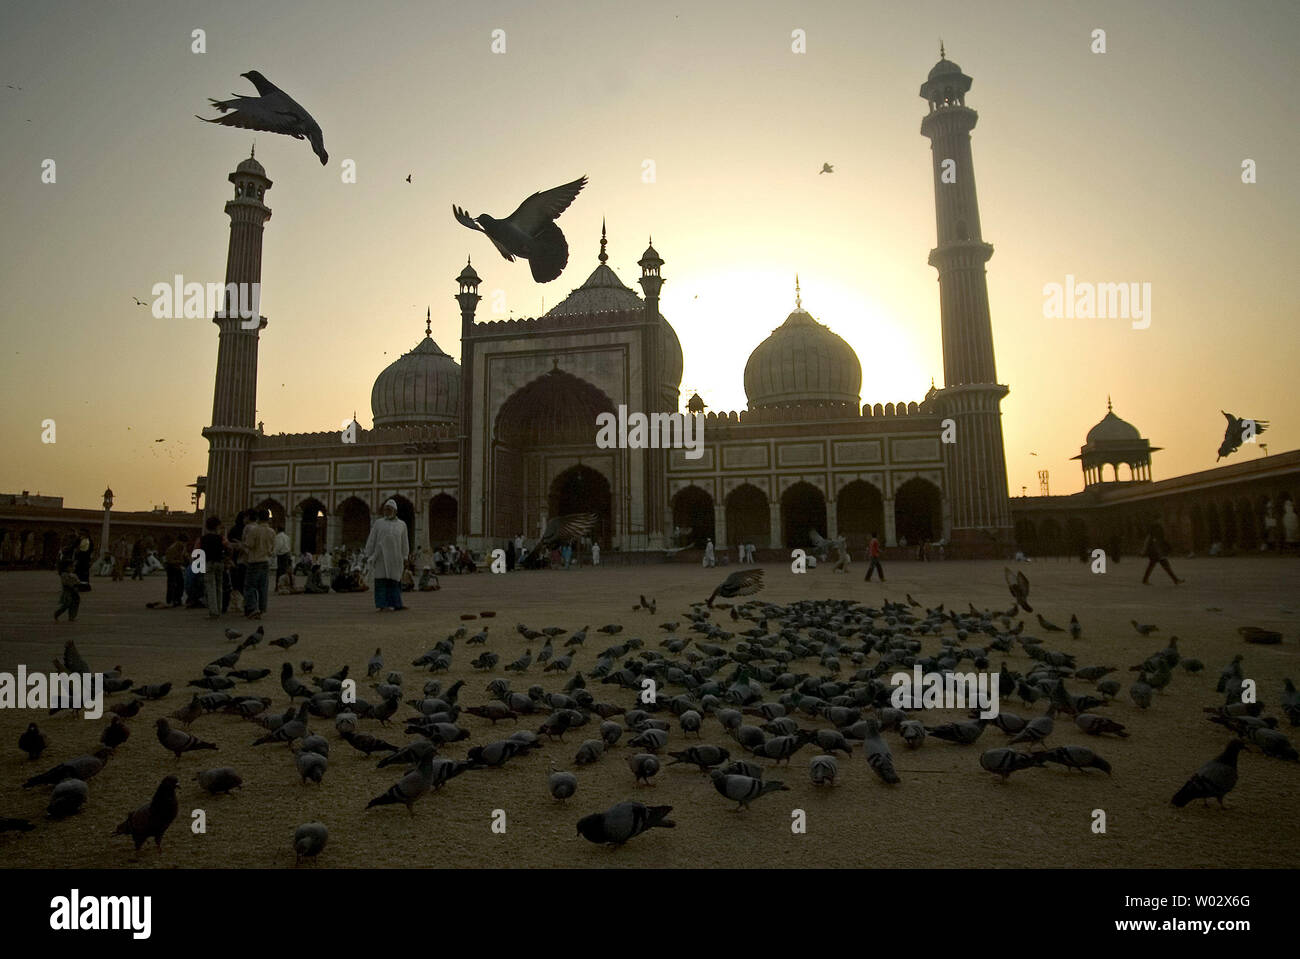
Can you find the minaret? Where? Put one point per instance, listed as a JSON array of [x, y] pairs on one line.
[[468, 297], [656, 460], [234, 401], [976, 464]]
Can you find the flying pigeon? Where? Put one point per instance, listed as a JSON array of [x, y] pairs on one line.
[[1233, 435], [744, 582], [530, 232], [826, 168], [1018, 584], [273, 111]]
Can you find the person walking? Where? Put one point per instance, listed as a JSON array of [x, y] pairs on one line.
[[386, 549], [595, 554], [174, 566], [236, 566], [137, 560], [259, 547], [81, 560], [283, 560], [873, 557], [710, 557], [213, 545], [69, 594], [1156, 550]]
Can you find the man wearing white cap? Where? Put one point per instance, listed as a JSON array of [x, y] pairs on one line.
[[387, 549]]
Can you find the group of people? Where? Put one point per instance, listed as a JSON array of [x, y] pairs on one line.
[[744, 554]]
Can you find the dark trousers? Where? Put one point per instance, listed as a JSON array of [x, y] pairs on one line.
[[175, 584], [213, 580], [388, 592], [255, 586], [282, 564], [69, 602], [875, 567], [1151, 564]]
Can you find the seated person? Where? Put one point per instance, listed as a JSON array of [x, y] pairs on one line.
[[284, 586], [408, 577], [428, 580], [314, 584]]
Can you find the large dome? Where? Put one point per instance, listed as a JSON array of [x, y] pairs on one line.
[[418, 388], [802, 362]]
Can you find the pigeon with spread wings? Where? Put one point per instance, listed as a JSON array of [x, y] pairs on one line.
[[1018, 584], [744, 582], [1235, 434], [530, 233], [273, 111], [561, 529]]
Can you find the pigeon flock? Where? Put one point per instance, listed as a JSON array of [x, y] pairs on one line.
[[752, 699]]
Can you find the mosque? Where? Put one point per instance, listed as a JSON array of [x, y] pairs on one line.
[[480, 450]]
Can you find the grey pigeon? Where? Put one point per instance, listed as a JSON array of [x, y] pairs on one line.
[[743, 790], [622, 822], [178, 741], [1004, 761], [219, 780], [743, 582], [561, 783], [879, 758], [823, 770], [589, 752], [311, 765], [643, 766], [1095, 725], [67, 798], [530, 233], [408, 790], [1035, 731], [32, 741], [308, 841], [83, 767], [1214, 780], [704, 756], [1076, 757], [272, 111]]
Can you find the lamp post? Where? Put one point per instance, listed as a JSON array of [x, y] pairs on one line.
[[103, 534]]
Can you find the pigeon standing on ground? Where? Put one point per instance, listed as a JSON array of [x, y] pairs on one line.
[[220, 780], [308, 841], [530, 233], [67, 798], [622, 822], [32, 741], [744, 789], [151, 820], [877, 752], [561, 783], [272, 111], [1214, 780], [178, 741]]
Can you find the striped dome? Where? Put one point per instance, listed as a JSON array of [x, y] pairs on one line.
[[418, 388]]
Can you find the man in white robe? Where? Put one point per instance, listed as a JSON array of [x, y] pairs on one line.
[[386, 551]]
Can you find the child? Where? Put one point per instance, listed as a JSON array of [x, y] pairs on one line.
[[69, 594]]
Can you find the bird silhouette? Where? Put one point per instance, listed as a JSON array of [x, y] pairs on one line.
[[272, 111], [530, 233], [1233, 436], [826, 168]]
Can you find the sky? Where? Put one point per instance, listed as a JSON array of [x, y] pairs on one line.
[[1122, 166]]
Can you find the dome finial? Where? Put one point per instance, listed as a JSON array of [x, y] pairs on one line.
[[252, 151], [1109, 408], [942, 55], [428, 321], [603, 256], [798, 298]]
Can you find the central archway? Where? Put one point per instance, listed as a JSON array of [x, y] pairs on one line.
[[354, 516], [748, 517], [693, 517], [803, 509], [859, 512], [581, 489], [918, 512], [553, 415]]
